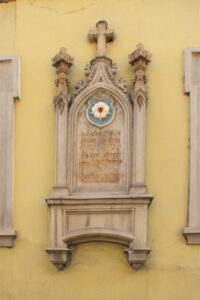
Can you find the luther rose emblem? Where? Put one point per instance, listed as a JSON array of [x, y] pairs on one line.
[[100, 112]]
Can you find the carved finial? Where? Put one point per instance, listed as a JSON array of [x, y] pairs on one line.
[[101, 35], [62, 61], [139, 59]]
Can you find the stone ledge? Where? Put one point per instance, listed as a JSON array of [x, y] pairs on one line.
[[7, 238], [192, 235], [100, 199], [102, 196]]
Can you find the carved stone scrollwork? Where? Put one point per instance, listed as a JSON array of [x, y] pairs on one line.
[[122, 84], [89, 72], [112, 70], [80, 85]]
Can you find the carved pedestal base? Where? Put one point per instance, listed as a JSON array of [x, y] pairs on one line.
[[60, 257], [118, 219], [192, 235], [7, 238], [137, 256]]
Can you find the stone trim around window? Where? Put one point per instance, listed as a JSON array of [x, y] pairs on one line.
[[192, 88], [9, 92]]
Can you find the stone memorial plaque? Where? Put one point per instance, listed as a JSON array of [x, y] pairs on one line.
[[100, 146], [100, 192]]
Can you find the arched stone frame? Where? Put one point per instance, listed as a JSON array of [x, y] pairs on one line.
[[116, 94]]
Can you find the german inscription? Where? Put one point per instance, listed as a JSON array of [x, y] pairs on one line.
[[100, 156]]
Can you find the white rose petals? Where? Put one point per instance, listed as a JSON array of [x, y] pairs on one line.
[[100, 110]]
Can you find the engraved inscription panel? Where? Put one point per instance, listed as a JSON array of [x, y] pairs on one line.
[[100, 153], [100, 156]]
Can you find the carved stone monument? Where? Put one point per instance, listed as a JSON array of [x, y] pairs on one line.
[[100, 192]]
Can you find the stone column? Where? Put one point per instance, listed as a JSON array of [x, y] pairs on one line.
[[62, 62], [59, 253], [139, 59]]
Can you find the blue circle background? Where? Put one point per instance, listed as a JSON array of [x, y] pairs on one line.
[[103, 121]]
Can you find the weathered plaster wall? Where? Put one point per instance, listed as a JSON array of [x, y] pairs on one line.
[[7, 27], [36, 29]]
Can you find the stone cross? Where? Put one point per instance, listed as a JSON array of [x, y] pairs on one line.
[[101, 35]]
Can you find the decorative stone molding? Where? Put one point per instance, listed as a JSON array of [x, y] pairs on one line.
[[122, 84], [95, 202], [9, 92], [192, 88]]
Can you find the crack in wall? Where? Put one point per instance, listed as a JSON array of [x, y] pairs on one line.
[[64, 12]]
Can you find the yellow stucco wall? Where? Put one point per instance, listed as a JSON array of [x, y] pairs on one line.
[[36, 29]]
